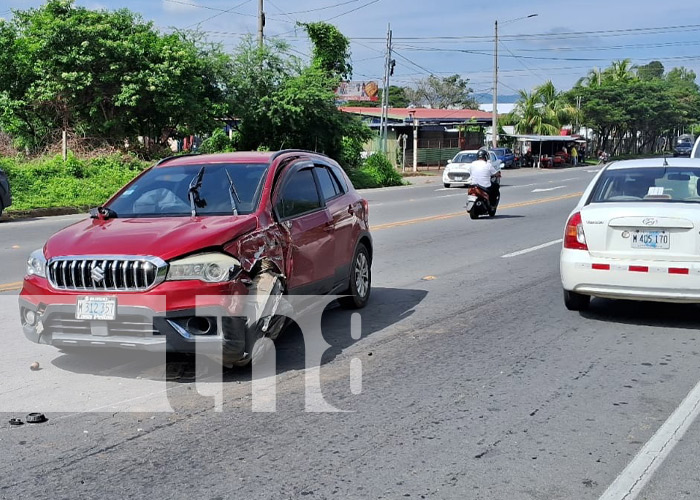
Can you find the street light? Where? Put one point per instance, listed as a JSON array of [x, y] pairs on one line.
[[494, 120]]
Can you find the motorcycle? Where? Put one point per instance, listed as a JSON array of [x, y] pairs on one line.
[[479, 201]]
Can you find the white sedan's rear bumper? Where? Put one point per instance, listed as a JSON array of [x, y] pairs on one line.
[[626, 279]]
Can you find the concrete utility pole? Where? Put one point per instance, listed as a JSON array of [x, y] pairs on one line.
[[385, 92], [261, 23], [494, 114]]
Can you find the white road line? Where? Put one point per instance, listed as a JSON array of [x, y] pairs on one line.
[[531, 249], [634, 478], [542, 190], [593, 171]]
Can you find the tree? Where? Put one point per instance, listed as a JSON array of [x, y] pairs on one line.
[[442, 93], [106, 75], [397, 99], [331, 49], [646, 72], [543, 111]]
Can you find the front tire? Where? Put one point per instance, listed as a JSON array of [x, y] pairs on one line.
[[360, 280], [576, 301]]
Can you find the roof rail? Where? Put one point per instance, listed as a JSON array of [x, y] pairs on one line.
[[285, 151], [163, 160]]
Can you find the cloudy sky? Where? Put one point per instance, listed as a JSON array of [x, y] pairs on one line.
[[444, 37]]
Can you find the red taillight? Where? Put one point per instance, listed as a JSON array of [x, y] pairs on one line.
[[574, 237]]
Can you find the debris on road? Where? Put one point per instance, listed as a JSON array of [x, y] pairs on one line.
[[34, 366], [16, 421], [36, 418]]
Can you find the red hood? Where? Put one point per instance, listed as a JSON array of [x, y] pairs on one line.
[[161, 237]]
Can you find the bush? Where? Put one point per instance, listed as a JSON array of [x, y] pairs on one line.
[[49, 182], [219, 142], [375, 172]]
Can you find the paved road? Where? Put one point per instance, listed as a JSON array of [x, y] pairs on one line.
[[476, 382]]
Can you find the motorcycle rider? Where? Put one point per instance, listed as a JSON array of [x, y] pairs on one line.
[[480, 172]]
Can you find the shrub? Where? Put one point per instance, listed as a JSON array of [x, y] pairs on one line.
[[219, 142], [376, 171]]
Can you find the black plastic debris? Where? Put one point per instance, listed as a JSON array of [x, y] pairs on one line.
[[36, 418], [16, 421]]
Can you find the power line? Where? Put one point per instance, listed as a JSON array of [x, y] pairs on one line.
[[413, 63], [224, 12], [322, 8]]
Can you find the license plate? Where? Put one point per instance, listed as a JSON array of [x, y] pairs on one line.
[[651, 239], [458, 178], [96, 308]]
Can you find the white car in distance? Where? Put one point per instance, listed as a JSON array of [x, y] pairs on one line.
[[635, 234], [457, 169]]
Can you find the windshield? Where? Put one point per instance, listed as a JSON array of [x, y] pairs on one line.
[[666, 184], [465, 158], [163, 192]]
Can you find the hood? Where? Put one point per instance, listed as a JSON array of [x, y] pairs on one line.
[[459, 166], [165, 237]]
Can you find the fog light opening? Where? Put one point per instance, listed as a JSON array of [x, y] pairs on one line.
[[199, 326], [29, 316]]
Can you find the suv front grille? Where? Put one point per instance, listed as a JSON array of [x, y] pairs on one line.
[[106, 273]]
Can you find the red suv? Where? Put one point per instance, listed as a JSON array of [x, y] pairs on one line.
[[201, 232]]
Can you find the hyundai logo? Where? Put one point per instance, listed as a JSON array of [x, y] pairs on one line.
[[97, 274], [649, 221]]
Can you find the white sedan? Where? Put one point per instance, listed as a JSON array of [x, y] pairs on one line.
[[457, 169], [635, 234]]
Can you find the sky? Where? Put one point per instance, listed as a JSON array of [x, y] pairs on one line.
[[445, 37]]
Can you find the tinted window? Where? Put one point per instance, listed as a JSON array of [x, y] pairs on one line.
[[329, 189], [648, 184], [340, 178], [164, 191], [465, 158], [299, 195]]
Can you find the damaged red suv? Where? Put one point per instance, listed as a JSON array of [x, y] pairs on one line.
[[163, 263]]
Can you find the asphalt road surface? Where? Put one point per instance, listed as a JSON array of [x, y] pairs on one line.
[[476, 382]]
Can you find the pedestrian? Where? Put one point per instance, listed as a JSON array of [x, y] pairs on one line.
[[574, 155]]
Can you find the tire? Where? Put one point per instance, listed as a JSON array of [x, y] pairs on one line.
[[576, 301], [446, 184], [492, 212], [473, 215], [360, 285]]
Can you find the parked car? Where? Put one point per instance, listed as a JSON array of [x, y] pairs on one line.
[[204, 232], [5, 193], [635, 234], [683, 147], [457, 169], [505, 156]]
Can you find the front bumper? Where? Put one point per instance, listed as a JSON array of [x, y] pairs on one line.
[[146, 321], [455, 177], [631, 280]]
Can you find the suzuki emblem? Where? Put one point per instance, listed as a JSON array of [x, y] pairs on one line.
[[97, 274], [649, 221]]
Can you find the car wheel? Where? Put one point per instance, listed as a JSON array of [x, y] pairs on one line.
[[576, 301], [1, 208], [360, 280], [446, 184]]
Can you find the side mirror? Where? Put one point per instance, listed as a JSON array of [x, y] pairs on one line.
[[449, 161]]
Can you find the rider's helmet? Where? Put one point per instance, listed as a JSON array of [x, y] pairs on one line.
[[482, 155]]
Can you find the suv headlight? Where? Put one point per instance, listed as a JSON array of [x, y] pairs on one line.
[[36, 263], [209, 267]]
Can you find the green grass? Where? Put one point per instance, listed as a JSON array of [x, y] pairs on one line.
[[49, 182]]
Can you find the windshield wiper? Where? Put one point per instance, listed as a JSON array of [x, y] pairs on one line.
[[102, 213], [232, 193], [193, 193]]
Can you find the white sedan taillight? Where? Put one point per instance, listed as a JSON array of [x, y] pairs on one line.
[[574, 237]]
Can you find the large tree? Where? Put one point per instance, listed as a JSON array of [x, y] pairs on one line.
[[442, 93], [542, 111], [103, 74]]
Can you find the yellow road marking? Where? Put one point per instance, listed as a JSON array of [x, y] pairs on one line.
[[10, 287], [408, 222]]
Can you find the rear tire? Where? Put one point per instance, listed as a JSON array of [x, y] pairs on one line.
[[360, 280], [576, 301], [446, 184]]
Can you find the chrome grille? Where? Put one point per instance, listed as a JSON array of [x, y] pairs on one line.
[[106, 273]]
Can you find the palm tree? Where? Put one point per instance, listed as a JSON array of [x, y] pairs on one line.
[[542, 111]]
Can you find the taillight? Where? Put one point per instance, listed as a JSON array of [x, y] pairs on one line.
[[365, 206], [574, 236]]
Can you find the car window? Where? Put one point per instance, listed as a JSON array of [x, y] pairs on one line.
[[339, 178], [464, 158], [670, 184], [299, 195], [163, 191], [329, 188]]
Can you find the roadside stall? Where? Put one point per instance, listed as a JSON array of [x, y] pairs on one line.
[[548, 150]]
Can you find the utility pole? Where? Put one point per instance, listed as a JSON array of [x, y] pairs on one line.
[[261, 23], [385, 92], [494, 119]]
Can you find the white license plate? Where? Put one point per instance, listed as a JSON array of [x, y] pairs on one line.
[[458, 178], [651, 239], [96, 308]]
